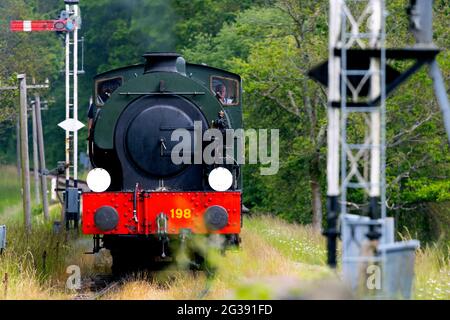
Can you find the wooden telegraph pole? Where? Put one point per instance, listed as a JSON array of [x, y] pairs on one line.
[[22, 146], [40, 143], [19, 165], [25, 161], [35, 154]]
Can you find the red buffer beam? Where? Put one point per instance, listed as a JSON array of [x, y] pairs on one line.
[[41, 25]]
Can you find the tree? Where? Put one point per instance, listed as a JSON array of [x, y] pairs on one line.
[[37, 55], [196, 17]]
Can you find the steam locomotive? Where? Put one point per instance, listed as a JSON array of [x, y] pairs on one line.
[[143, 206]]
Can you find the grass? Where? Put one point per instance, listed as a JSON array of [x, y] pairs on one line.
[[35, 264], [10, 196], [258, 270], [299, 243], [432, 270], [276, 260]]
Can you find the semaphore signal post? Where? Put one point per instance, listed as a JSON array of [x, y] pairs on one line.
[[69, 23]]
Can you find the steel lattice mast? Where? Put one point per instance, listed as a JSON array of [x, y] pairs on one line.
[[356, 75], [346, 97]]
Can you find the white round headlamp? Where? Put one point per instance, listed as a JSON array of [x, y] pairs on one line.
[[220, 179], [98, 180]]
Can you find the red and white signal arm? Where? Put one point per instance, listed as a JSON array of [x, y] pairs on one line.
[[42, 25]]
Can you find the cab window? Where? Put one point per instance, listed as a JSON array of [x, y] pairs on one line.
[[226, 90], [104, 89]]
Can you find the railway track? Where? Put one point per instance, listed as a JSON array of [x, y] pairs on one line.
[[97, 286]]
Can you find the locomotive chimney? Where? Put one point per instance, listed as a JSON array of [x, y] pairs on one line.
[[162, 62]]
